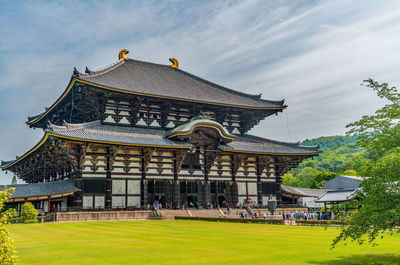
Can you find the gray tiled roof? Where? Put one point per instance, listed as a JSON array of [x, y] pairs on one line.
[[41, 189], [163, 80], [250, 143], [94, 131], [338, 196], [342, 183], [302, 192]]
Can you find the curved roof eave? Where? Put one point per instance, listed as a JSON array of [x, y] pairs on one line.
[[268, 153], [188, 128], [52, 134], [73, 80]]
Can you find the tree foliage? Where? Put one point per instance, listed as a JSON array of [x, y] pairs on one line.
[[8, 255], [29, 214], [340, 156], [380, 134], [14, 181]]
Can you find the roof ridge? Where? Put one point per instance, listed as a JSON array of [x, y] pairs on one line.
[[168, 67], [116, 64], [102, 70], [72, 126], [291, 144]]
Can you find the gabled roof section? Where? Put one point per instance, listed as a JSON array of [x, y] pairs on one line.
[[161, 81], [164, 81], [342, 183], [302, 192], [42, 189], [95, 132], [113, 134], [257, 145], [338, 196]]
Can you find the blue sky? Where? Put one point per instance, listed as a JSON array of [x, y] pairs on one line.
[[313, 54]]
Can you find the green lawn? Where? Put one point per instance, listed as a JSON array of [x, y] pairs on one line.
[[191, 242]]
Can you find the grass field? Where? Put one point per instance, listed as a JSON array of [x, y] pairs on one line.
[[191, 242]]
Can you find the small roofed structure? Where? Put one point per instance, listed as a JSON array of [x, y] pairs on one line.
[[301, 196], [340, 189], [44, 196]]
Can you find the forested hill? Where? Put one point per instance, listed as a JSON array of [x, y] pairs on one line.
[[340, 154], [331, 142], [337, 152]]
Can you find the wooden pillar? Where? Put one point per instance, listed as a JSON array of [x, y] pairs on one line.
[[48, 205], [176, 196], [207, 192], [278, 180], [234, 188], [144, 183], [108, 201], [228, 193], [144, 192], [78, 177], [259, 185], [234, 192]]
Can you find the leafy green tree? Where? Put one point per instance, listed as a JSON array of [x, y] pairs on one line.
[[290, 180], [307, 176], [8, 254], [321, 177], [29, 213], [14, 180], [350, 172], [380, 206]]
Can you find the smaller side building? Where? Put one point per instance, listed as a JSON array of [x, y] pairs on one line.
[[340, 189], [44, 196], [294, 196]]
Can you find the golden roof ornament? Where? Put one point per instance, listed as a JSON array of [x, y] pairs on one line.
[[175, 63], [122, 54]]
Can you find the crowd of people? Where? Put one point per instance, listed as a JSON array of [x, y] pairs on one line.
[[309, 215]]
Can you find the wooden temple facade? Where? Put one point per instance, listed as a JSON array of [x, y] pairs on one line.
[[135, 132]]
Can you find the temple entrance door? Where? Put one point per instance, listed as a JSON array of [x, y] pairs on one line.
[[192, 200], [160, 199], [221, 200]]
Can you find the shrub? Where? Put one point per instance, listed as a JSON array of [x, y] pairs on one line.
[[11, 214], [29, 214], [8, 254]]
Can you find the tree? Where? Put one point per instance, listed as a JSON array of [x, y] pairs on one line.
[[290, 180], [29, 213], [350, 172], [14, 180], [380, 134], [8, 255]]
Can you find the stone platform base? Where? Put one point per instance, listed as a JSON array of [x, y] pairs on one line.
[[104, 216]]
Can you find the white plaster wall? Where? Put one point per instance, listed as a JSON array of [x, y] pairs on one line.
[[118, 186], [241, 188], [99, 202], [64, 204], [242, 199], [252, 188], [133, 187], [134, 201], [87, 202], [118, 202]]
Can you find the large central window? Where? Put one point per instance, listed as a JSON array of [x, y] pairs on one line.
[[192, 160], [94, 186]]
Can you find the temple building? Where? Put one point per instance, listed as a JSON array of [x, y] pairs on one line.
[[135, 132]]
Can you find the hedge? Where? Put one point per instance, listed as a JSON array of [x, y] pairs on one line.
[[319, 222], [231, 220], [261, 221]]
